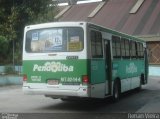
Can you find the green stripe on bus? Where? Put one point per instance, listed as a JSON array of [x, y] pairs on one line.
[[39, 71]]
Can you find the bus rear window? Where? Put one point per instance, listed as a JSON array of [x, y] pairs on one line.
[[69, 39]]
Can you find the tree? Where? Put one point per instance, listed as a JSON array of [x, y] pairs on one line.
[[16, 14], [4, 48]]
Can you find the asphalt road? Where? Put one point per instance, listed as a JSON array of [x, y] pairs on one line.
[[12, 100]]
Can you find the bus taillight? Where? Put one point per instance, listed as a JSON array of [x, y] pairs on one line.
[[24, 77], [85, 79]]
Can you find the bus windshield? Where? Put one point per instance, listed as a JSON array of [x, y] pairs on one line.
[[67, 39]]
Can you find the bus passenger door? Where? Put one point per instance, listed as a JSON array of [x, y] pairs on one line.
[[108, 66], [97, 63]]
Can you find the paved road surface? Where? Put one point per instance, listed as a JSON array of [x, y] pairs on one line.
[[12, 100]]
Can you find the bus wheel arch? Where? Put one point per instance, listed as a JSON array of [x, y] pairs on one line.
[[116, 89]]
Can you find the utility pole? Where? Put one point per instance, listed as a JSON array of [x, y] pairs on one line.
[[13, 44]]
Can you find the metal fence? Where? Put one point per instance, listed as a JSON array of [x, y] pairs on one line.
[[17, 69]]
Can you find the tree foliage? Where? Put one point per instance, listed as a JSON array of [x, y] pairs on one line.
[[4, 47], [15, 14]]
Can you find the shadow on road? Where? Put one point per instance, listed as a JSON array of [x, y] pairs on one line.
[[130, 102]]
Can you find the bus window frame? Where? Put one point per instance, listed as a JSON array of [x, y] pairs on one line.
[[127, 49], [123, 52], [30, 51], [95, 56], [140, 50], [133, 52], [116, 55]]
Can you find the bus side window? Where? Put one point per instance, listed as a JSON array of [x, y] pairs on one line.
[[123, 48], [133, 49], [140, 50], [136, 49], [96, 44], [116, 47], [28, 42], [127, 48]]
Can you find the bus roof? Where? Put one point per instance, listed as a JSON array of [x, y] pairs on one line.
[[55, 24], [118, 33], [80, 23]]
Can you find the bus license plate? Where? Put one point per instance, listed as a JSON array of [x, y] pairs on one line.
[[53, 82]]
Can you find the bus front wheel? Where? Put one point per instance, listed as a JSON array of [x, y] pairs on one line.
[[116, 91]]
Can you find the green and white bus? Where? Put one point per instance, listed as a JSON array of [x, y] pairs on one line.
[[81, 59]]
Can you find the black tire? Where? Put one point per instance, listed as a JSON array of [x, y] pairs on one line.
[[66, 99], [69, 99], [116, 91], [143, 79]]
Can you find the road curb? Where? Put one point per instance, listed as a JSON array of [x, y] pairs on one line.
[[11, 80]]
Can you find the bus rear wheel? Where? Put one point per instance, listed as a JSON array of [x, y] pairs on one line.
[[116, 91]]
